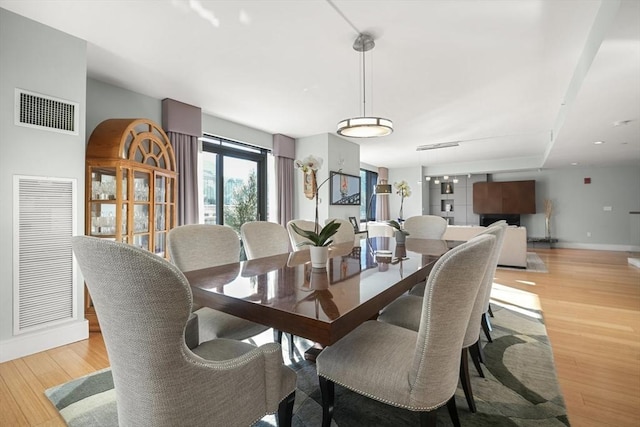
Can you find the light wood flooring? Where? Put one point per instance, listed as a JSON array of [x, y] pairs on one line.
[[591, 305]]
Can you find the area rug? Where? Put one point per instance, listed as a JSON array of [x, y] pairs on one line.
[[520, 388], [534, 264]]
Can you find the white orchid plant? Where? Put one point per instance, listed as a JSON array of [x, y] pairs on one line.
[[310, 165], [402, 189]]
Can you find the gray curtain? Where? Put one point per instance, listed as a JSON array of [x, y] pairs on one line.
[[183, 125], [382, 202], [284, 152], [185, 148]]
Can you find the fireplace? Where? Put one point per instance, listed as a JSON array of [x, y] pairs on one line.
[[488, 219]]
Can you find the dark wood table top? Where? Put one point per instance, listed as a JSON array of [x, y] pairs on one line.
[[322, 305]]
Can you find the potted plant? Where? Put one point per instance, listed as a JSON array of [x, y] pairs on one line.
[[400, 233], [319, 238]]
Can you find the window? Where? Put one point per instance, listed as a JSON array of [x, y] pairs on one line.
[[368, 181], [234, 182]]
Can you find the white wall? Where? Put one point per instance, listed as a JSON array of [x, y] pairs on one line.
[[45, 61], [336, 153], [412, 205]]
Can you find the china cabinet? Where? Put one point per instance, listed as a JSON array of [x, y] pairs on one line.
[[130, 188]]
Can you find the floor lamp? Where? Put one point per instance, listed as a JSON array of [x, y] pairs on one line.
[[378, 190]]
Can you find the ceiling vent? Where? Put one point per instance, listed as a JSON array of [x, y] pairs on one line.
[[45, 112], [437, 146]]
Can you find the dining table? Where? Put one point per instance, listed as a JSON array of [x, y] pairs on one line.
[[319, 304]]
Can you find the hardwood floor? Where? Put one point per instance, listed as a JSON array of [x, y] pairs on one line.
[[591, 305]]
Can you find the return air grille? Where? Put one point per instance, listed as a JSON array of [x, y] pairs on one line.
[[45, 112], [44, 285]]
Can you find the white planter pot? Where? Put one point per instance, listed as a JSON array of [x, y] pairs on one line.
[[319, 256]]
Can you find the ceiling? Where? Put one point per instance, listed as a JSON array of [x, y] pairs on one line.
[[522, 84]]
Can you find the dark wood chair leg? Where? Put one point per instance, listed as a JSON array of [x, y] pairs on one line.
[[490, 311], [327, 389], [285, 411], [486, 327], [465, 381], [428, 419], [453, 411], [292, 346], [474, 351], [277, 336]]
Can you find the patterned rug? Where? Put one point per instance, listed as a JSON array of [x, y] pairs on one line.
[[534, 264], [520, 388]]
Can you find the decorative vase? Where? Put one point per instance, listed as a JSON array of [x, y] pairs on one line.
[[401, 214], [400, 237], [547, 228], [319, 256]]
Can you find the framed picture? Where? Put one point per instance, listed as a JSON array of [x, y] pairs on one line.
[[354, 222], [345, 189]]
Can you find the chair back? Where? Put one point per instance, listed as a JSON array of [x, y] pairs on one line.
[[499, 230], [451, 290], [425, 226], [197, 246], [345, 233], [143, 303], [262, 239], [295, 237]]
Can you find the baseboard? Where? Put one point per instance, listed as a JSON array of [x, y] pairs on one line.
[[24, 345], [598, 247]]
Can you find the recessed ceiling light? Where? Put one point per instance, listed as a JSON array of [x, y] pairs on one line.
[[598, 142], [574, 163]]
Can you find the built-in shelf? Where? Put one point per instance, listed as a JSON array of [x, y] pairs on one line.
[[446, 187], [446, 205]]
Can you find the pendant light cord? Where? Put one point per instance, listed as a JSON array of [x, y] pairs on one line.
[[364, 88]]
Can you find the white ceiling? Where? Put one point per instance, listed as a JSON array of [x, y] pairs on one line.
[[522, 84]]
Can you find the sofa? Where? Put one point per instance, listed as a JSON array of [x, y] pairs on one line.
[[514, 248]]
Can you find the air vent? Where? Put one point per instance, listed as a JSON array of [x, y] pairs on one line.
[[45, 112], [44, 279]]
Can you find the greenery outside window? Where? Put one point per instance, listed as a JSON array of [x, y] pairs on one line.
[[234, 182]]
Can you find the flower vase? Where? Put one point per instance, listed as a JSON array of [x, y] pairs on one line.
[[401, 214], [547, 228], [319, 256], [400, 237]]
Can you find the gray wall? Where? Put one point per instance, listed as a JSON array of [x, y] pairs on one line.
[[39, 59], [579, 207]]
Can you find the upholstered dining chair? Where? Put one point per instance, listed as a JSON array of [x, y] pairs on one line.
[[262, 239], [419, 370], [345, 233], [197, 246], [406, 312], [425, 226], [143, 303], [295, 238]]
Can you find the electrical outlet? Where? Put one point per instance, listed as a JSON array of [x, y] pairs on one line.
[[588, 234]]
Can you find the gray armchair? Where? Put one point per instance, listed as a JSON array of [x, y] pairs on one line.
[[425, 226], [419, 370], [263, 239], [143, 303], [406, 312], [197, 246]]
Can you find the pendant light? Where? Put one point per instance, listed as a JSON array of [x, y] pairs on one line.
[[364, 127]]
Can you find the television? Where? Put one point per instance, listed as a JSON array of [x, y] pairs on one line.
[[344, 189]]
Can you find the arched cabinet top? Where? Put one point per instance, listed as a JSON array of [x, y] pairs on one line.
[[135, 140]]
